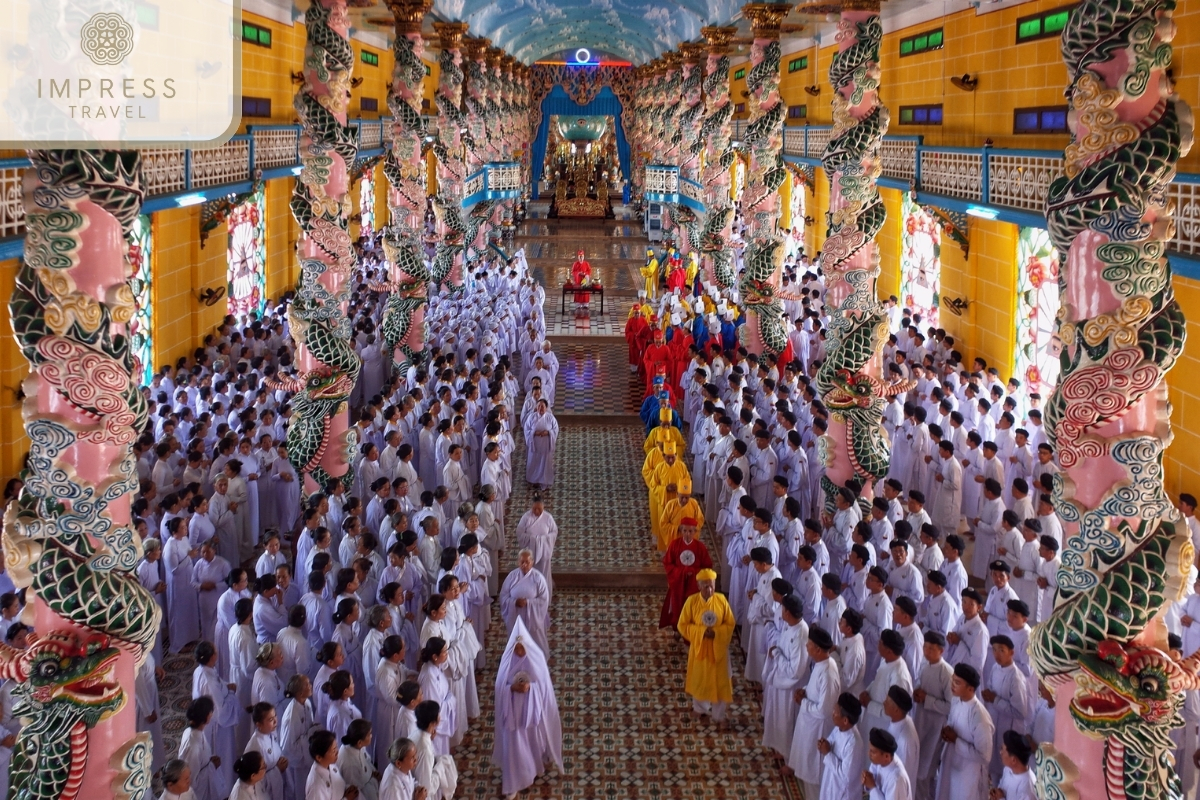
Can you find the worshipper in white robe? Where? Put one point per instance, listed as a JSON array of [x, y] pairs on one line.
[[355, 762], [287, 491], [785, 671], [537, 532], [843, 754], [324, 780], [761, 612], [885, 777], [968, 735], [525, 596], [209, 780], [435, 771], [177, 781], [224, 520], [399, 780], [149, 574], [946, 508], [251, 771], [437, 686], [902, 727], [265, 742], [184, 617], [243, 651], [149, 719], [208, 581], [296, 725], [267, 686], [1006, 697], [226, 710], [541, 438], [815, 720], [1017, 780], [389, 674], [200, 525], [238, 582], [893, 671], [528, 729], [239, 504]]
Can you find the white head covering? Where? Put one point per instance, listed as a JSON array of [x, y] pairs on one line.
[[675, 319], [540, 707]]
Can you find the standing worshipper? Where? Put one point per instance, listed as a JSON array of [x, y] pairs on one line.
[[684, 559], [948, 489], [968, 735], [525, 598], [817, 699], [208, 580], [785, 671], [528, 729], [537, 532], [707, 623], [842, 753], [182, 602], [541, 438]]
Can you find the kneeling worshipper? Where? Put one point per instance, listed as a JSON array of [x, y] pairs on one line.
[[685, 558], [684, 506], [707, 623], [528, 728]]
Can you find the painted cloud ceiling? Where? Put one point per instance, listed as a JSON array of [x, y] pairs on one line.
[[638, 30]]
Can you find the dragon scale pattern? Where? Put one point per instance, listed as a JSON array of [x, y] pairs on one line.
[[1126, 551], [714, 140], [856, 445], [68, 537]]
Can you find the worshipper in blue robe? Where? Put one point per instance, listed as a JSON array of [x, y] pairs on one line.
[[729, 338], [700, 332]]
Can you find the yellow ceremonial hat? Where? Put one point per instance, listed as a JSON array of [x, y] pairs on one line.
[[669, 449], [664, 414], [685, 486], [661, 435], [706, 575]]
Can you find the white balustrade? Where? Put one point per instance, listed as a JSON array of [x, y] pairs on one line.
[[1187, 217], [899, 158], [229, 163], [953, 173], [1020, 181], [370, 136], [12, 203], [164, 171], [793, 141], [817, 139], [275, 147]]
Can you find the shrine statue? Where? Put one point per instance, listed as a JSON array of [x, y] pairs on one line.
[[581, 275]]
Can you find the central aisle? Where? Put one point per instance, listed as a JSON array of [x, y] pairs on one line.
[[628, 728]]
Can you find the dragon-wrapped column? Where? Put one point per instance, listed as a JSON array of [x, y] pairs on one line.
[[320, 440], [691, 112], [405, 168], [715, 133], [1126, 550], [479, 118], [855, 445], [68, 538], [764, 330], [448, 148]]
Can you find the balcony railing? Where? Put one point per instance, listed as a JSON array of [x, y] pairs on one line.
[[1013, 180], [165, 172]]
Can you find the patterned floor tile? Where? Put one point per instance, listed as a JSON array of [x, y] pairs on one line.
[[594, 378], [628, 728]]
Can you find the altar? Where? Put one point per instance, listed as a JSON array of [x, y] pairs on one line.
[[579, 162]]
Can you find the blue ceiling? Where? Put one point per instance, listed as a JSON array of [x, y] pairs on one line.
[[636, 30]]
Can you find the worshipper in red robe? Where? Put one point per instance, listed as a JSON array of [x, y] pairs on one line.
[[676, 274], [680, 345], [652, 328], [581, 272], [637, 335], [685, 557], [656, 355]]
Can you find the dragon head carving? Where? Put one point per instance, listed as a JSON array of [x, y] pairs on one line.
[[852, 390], [1130, 692], [61, 669], [327, 384]]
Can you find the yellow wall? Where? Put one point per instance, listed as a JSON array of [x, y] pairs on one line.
[[13, 369], [182, 268], [1183, 467], [889, 244], [282, 230]]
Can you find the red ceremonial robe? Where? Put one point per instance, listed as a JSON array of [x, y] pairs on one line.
[[580, 271], [681, 577], [681, 340], [637, 333], [655, 355]]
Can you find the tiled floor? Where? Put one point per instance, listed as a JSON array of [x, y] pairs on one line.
[[628, 731]]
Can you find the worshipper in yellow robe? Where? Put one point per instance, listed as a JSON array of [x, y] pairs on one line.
[[650, 274], [707, 623], [665, 432], [663, 484], [684, 506], [693, 269], [654, 456]]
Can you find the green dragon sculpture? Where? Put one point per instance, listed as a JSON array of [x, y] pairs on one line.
[[64, 687], [850, 258], [329, 366], [1125, 551]]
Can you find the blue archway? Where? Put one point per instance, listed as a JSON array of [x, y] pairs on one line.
[[605, 103]]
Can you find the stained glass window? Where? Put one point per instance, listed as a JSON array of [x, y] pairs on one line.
[[366, 202], [141, 327], [920, 263], [1036, 361], [248, 256]]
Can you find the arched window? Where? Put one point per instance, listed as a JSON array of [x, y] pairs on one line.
[[141, 327], [1036, 360], [248, 257], [920, 263], [366, 203]]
